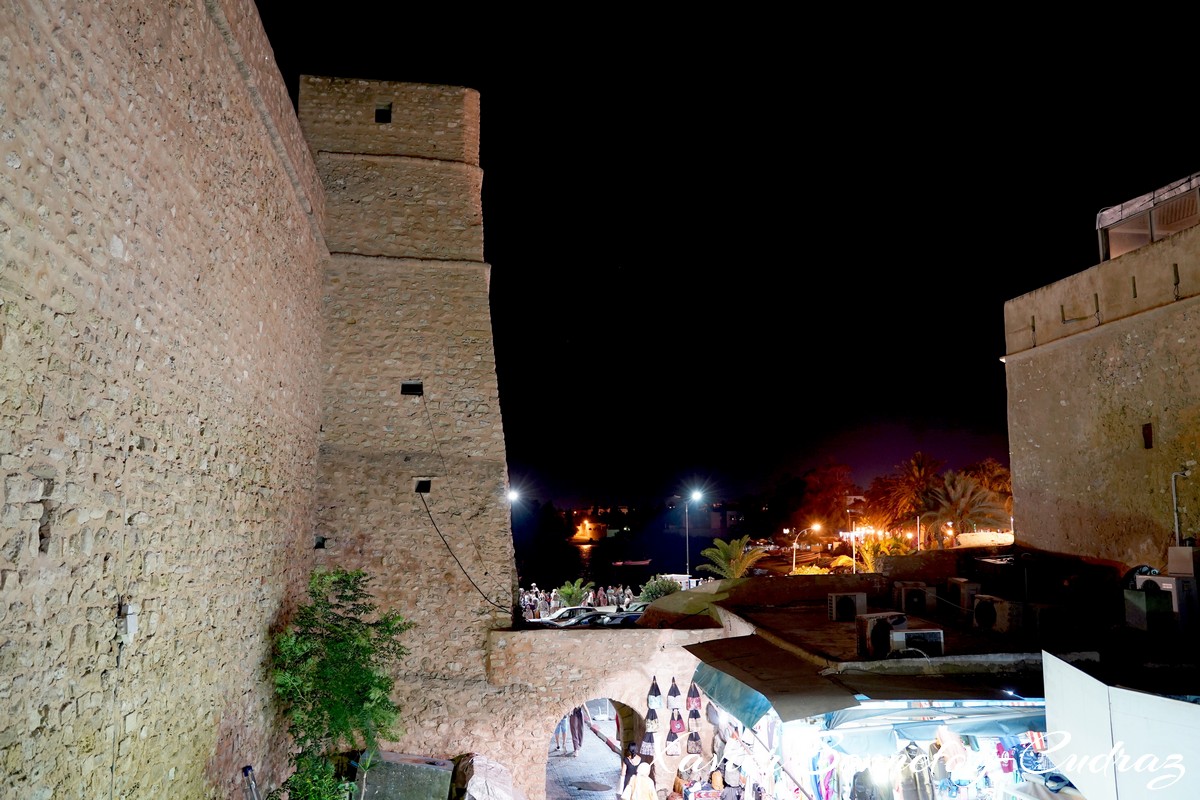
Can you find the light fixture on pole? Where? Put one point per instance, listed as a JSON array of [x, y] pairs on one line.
[[1175, 501], [795, 542], [687, 536]]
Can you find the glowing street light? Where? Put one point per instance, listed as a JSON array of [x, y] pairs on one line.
[[687, 535], [795, 542]]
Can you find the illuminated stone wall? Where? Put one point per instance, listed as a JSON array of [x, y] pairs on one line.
[[1102, 369], [160, 281], [212, 317]]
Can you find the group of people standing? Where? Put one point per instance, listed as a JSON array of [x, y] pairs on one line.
[[539, 603]]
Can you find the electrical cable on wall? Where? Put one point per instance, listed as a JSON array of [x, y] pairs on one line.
[[455, 499], [450, 550], [437, 446]]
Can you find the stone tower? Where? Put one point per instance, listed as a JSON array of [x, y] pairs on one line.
[[412, 466]]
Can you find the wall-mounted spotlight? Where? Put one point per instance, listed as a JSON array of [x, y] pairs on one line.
[[412, 387], [422, 485]]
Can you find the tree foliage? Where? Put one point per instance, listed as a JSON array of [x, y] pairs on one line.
[[902, 495], [573, 594], [966, 505], [732, 559], [331, 669], [657, 587]]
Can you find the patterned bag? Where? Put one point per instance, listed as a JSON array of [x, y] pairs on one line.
[[694, 720], [671, 745], [654, 699], [647, 748], [693, 744], [677, 723], [652, 721], [674, 698], [693, 698]]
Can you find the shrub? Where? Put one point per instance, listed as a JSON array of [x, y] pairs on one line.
[[332, 670], [657, 587], [573, 594]]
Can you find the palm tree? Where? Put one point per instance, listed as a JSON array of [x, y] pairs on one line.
[[964, 503], [991, 474], [731, 559], [572, 594], [905, 493]]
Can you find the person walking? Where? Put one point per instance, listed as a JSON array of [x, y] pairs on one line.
[[576, 722], [629, 765], [560, 734], [642, 785]]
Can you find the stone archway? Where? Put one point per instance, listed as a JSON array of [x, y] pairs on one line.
[[606, 726]]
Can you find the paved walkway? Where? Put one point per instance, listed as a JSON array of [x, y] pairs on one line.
[[592, 774]]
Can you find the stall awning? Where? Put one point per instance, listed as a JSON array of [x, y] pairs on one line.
[[747, 675]]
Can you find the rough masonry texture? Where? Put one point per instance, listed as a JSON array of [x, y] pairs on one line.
[[1103, 405], [210, 310]]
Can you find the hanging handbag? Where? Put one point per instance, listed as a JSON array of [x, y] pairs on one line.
[[677, 723], [693, 720], [647, 748], [693, 744], [654, 698], [671, 745], [674, 697], [652, 721], [693, 698]]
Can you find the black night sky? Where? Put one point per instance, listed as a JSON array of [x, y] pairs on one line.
[[720, 256]]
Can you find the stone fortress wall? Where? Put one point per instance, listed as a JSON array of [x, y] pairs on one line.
[[1103, 408], [210, 310], [160, 281]]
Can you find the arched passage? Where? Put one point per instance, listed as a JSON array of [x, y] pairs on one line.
[[588, 762]]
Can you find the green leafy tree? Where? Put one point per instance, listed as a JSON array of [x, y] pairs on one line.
[[994, 476], [573, 594], [731, 559], [331, 669], [964, 504], [870, 550], [657, 587], [899, 497]]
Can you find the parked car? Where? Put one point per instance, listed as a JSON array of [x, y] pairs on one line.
[[637, 605], [626, 619], [591, 619], [563, 614]]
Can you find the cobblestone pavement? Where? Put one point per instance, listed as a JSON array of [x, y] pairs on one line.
[[592, 774]]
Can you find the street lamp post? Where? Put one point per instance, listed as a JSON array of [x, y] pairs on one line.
[[923, 513], [795, 542], [687, 537]]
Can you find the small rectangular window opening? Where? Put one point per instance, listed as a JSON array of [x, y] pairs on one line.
[[1148, 435], [383, 112]]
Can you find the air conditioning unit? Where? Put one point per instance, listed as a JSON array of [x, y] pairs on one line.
[[929, 641], [845, 606], [1183, 561], [962, 592], [1159, 583], [914, 597], [997, 614], [875, 633], [1048, 619]]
